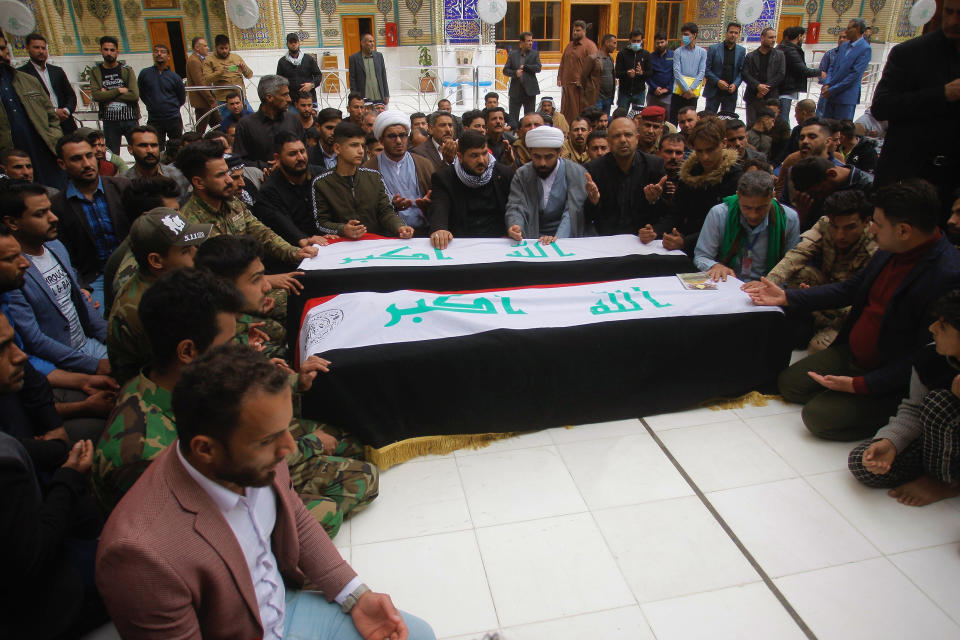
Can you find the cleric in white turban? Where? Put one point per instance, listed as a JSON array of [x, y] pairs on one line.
[[544, 138], [548, 193], [388, 119]]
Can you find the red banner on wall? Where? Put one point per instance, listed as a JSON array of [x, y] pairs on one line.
[[813, 33]]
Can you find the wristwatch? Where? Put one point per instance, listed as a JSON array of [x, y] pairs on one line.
[[351, 600]]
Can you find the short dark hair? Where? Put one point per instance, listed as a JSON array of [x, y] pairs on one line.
[[947, 308], [472, 115], [417, 114], [160, 45], [596, 133], [328, 114], [847, 128], [676, 138], [436, 115], [183, 305], [734, 24], [792, 33], [231, 95], [227, 256], [312, 133], [491, 94], [145, 194], [848, 202], [759, 163], [193, 160], [353, 95], [691, 27], [34, 36], [189, 137], [635, 33], [109, 39], [444, 100], [683, 110], [216, 134], [347, 130], [608, 36], [820, 124], [304, 95], [219, 39], [173, 148], [489, 110], [659, 35], [13, 199], [833, 124], [284, 137], [591, 114], [913, 201], [765, 112], [619, 112], [809, 172], [579, 23], [772, 102], [523, 36], [209, 395], [370, 140], [471, 139], [195, 40], [12, 153], [71, 138], [733, 125], [142, 128], [94, 135]]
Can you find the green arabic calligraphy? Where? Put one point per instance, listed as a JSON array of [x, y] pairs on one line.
[[533, 249], [622, 302], [481, 305], [395, 254]]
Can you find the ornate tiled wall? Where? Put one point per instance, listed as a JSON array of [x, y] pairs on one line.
[[461, 23]]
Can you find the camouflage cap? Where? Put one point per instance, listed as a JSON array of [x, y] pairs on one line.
[[159, 229]]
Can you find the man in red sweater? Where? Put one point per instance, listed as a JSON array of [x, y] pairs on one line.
[[850, 389]]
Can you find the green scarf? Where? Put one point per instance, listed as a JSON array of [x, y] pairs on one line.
[[733, 233]]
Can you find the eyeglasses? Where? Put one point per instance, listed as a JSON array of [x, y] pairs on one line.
[[397, 136]]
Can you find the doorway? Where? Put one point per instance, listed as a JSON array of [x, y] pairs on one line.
[[788, 21], [352, 28], [170, 32], [596, 16]]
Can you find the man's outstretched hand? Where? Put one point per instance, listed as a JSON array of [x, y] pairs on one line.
[[376, 618], [765, 293]]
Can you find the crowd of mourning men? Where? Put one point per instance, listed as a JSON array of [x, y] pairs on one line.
[[143, 355]]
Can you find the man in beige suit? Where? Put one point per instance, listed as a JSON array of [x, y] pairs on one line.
[[201, 101], [212, 542]]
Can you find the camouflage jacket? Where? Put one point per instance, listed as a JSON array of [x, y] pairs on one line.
[[234, 218], [139, 428], [816, 249], [128, 267], [569, 152], [127, 344]]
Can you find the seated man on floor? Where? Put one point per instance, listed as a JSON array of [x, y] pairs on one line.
[[43, 589], [50, 313], [186, 315], [747, 234], [835, 248], [469, 198], [223, 502], [548, 193], [351, 200], [161, 241], [521, 152], [813, 179], [851, 389], [917, 454]]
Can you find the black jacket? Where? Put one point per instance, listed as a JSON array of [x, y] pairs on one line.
[[905, 322], [863, 156], [797, 70], [288, 208], [527, 84], [467, 212], [627, 60], [922, 124], [66, 96], [253, 140], [75, 231], [358, 74], [623, 208], [307, 71], [696, 195], [776, 70]]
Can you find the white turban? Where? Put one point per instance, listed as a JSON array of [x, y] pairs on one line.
[[544, 138], [388, 119]]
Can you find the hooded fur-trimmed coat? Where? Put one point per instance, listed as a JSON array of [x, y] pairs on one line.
[[698, 192]]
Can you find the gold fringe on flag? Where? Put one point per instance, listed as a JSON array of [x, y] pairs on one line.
[[404, 450], [754, 398]]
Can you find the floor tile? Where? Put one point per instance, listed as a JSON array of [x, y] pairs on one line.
[[773, 407], [627, 623], [523, 441], [563, 435], [439, 578], [788, 527], [935, 571], [612, 472], [692, 417], [802, 450], [510, 486], [415, 500], [725, 455], [889, 525], [550, 568], [868, 599], [671, 548], [750, 611], [342, 539]]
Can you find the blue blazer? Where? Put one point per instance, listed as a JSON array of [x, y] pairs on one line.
[[846, 72], [905, 322], [715, 67], [42, 326]]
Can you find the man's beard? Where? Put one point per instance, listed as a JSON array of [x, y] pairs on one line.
[[544, 172], [149, 161], [953, 234], [472, 172], [295, 171], [246, 476]]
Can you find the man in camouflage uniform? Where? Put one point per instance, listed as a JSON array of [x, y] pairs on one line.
[[191, 307], [837, 246], [161, 241]]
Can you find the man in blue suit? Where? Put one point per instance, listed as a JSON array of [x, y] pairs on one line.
[[53, 317], [841, 87], [724, 63]]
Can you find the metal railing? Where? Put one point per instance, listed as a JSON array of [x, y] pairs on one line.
[[194, 121]]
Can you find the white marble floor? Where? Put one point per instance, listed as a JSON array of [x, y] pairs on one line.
[[595, 532]]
